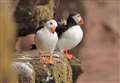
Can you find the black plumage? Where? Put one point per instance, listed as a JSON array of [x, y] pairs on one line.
[[62, 28], [37, 29]]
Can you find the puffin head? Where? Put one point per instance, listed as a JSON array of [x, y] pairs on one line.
[[51, 25], [76, 18]]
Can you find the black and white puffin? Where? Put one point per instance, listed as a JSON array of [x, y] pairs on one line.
[[46, 39], [70, 35]]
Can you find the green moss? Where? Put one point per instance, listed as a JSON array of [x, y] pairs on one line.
[[45, 12], [62, 71], [77, 69]]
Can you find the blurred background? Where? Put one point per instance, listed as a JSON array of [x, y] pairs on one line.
[[99, 50]]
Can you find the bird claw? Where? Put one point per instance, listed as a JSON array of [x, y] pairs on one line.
[[42, 60], [46, 60], [68, 54], [50, 60]]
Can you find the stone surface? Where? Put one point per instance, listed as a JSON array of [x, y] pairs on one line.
[[60, 72]]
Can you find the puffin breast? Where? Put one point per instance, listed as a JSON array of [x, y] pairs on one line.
[[45, 40]]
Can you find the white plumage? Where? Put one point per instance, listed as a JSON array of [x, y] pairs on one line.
[[46, 38], [46, 41]]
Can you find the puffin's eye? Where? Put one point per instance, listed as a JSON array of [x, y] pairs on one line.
[[51, 23], [78, 16]]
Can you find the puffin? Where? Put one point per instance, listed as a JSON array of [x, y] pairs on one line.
[[70, 35], [46, 39]]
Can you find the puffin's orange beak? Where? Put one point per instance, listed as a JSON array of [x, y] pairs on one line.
[[81, 21], [53, 29]]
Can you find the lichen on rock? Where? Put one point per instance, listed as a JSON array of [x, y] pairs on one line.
[[61, 72]]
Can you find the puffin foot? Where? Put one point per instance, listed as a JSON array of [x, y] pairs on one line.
[[68, 54], [42, 60], [50, 60], [46, 59]]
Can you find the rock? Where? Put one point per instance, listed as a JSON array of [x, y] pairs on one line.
[[24, 71], [58, 73]]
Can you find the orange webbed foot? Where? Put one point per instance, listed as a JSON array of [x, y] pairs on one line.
[[68, 54], [50, 60], [42, 60]]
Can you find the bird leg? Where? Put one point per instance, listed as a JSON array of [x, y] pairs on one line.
[[68, 54], [50, 60], [46, 59], [42, 58]]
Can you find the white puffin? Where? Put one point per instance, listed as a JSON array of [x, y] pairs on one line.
[[70, 35], [46, 39]]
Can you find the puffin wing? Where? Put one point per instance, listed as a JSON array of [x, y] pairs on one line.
[[61, 29], [70, 38]]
